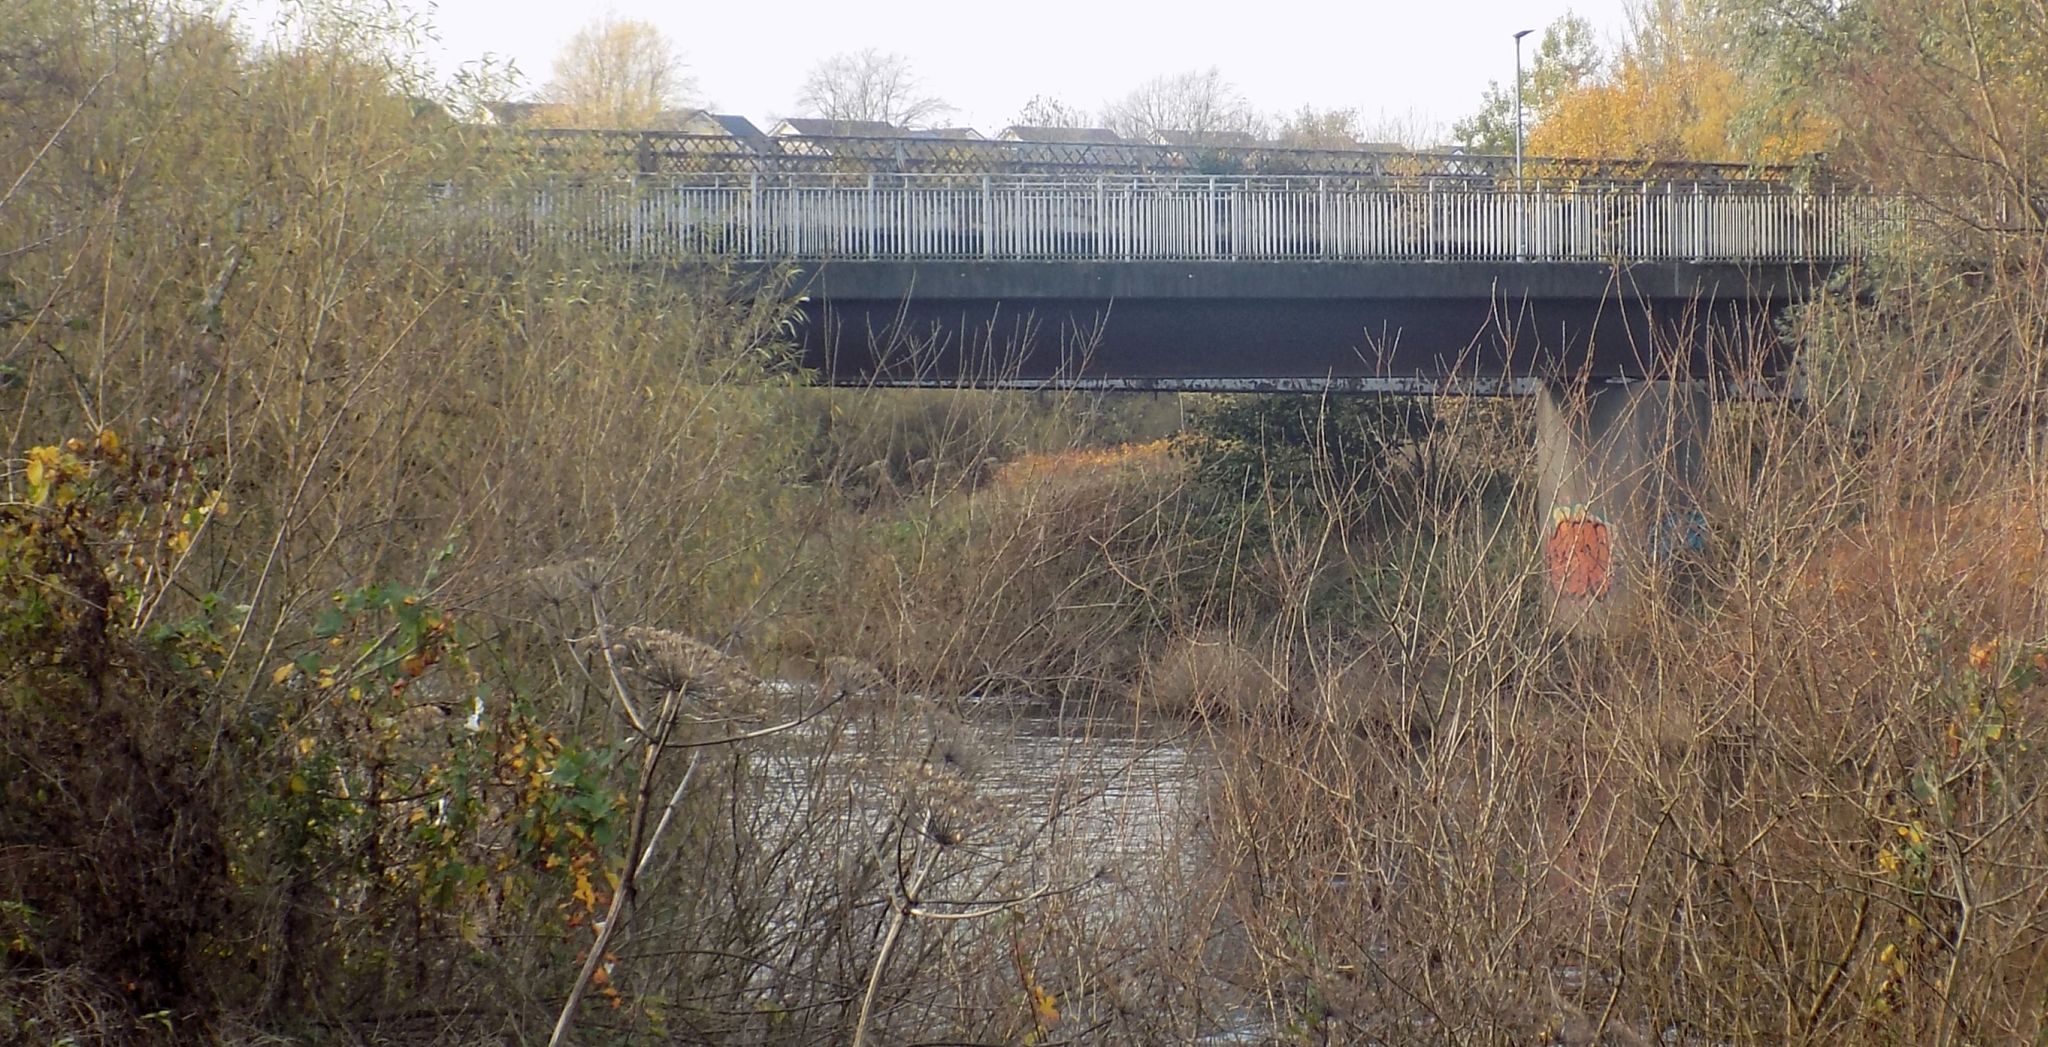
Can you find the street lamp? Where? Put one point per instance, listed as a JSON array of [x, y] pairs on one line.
[[1521, 202], [1518, 107]]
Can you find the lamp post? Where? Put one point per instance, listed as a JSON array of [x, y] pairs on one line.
[[1518, 107], [1521, 202]]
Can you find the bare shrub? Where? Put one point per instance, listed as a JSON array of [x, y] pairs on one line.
[[1205, 677], [1043, 585]]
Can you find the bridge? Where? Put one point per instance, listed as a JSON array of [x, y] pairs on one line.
[[1178, 282], [1624, 306], [584, 152]]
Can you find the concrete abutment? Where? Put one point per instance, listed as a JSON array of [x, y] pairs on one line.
[[1619, 468]]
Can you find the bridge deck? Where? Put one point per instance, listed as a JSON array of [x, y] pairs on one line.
[[1254, 283], [1342, 326]]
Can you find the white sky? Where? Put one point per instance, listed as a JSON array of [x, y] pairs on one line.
[[1401, 62]]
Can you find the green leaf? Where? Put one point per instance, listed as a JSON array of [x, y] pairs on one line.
[[330, 623]]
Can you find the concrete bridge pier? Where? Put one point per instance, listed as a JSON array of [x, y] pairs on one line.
[[1618, 476]]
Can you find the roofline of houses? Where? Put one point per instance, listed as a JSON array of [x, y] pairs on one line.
[[530, 114]]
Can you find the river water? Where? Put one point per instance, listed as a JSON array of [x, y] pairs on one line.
[[1121, 788], [1101, 806]]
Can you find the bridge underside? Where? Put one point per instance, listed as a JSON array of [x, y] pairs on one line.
[[1364, 327]]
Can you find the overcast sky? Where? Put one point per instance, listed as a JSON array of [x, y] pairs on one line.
[[1399, 61]]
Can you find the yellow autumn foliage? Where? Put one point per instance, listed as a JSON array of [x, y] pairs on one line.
[[1677, 91], [1689, 109], [1069, 466]]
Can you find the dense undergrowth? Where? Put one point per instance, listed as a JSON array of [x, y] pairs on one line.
[[371, 589], [384, 615]]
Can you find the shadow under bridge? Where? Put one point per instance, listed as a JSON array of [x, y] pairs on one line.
[[1310, 326]]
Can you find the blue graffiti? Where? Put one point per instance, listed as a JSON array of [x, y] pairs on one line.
[[1678, 533]]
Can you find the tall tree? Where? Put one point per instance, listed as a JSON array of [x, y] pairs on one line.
[[869, 85], [1199, 103], [617, 73], [1948, 100], [1567, 57], [1680, 89], [1049, 111], [1312, 128]]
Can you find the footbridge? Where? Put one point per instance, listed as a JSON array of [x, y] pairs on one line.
[[1248, 282], [1626, 298]]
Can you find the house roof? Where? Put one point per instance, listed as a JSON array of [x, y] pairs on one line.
[[1338, 144], [512, 114], [1087, 135], [425, 108], [704, 122], [1214, 139], [737, 126], [675, 120], [945, 132], [816, 126]]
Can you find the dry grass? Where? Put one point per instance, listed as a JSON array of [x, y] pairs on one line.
[[1087, 465]]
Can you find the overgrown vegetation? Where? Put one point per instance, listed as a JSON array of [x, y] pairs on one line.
[[408, 638]]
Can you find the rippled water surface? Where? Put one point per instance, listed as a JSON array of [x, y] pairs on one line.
[[1101, 806]]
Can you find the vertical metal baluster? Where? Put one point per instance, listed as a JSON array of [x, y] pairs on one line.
[[754, 217], [1322, 218], [1702, 241], [1101, 225]]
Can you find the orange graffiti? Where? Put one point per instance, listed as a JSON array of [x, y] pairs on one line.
[[1579, 554]]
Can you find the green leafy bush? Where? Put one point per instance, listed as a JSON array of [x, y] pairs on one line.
[[346, 829], [1344, 459]]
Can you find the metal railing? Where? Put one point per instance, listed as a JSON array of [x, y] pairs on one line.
[[1133, 218], [667, 153]]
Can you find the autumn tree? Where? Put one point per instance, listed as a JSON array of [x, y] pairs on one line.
[[1199, 104], [617, 73], [1565, 59], [1677, 91], [1312, 128], [1946, 100], [1785, 51], [1682, 109], [1050, 111], [869, 85]]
